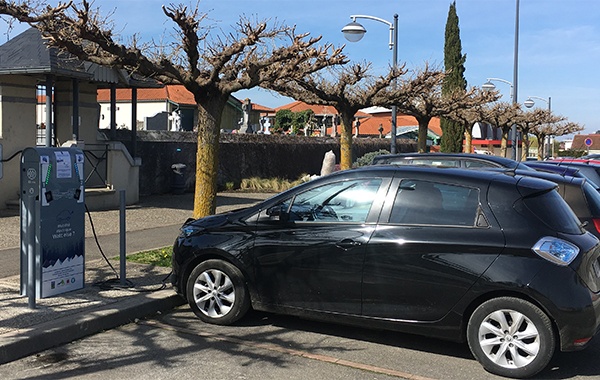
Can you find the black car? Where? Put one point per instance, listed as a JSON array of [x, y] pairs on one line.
[[561, 170], [580, 193], [588, 169], [496, 259], [449, 160]]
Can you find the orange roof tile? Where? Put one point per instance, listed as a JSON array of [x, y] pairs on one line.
[[298, 106], [370, 126], [369, 123], [176, 93]]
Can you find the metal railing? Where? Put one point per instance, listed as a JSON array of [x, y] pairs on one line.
[[96, 164]]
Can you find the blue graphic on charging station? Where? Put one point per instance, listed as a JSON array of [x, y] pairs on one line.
[[52, 220]]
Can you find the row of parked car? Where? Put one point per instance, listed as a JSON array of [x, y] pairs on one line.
[[505, 257]]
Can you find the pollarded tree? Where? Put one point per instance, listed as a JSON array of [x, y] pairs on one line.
[[560, 127], [468, 116], [421, 97], [529, 121], [210, 68], [346, 89], [502, 115]]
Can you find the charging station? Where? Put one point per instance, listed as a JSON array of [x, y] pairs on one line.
[[52, 221]]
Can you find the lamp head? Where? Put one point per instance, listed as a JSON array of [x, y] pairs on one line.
[[354, 31], [529, 103], [488, 86]]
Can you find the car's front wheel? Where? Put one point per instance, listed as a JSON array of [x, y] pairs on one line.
[[511, 337], [216, 292]]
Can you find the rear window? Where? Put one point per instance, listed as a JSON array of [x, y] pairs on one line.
[[553, 211]]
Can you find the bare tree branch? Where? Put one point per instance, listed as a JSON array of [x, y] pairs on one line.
[[250, 56]]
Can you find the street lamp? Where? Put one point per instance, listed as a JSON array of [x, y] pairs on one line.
[[488, 86], [530, 103], [513, 85], [354, 32]]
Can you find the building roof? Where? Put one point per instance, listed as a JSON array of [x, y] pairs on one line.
[[370, 125], [298, 106], [579, 142], [29, 54], [175, 93], [369, 121]]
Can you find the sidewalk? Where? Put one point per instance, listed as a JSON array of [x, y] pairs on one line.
[[73, 315]]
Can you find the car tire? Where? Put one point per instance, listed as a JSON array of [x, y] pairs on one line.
[[511, 337], [217, 293]]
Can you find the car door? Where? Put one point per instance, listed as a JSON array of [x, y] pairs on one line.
[[434, 240], [309, 249]]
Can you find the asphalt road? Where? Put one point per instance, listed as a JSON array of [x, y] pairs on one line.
[[177, 345]]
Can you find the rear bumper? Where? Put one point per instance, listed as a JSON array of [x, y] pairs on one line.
[[575, 309]]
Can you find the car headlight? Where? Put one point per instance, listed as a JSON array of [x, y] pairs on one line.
[[556, 250], [188, 230]]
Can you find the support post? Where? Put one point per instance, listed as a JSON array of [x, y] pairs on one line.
[[122, 245], [31, 277]]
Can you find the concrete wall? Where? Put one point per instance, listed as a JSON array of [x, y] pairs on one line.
[[240, 156], [17, 129], [88, 112], [123, 173], [18, 106]]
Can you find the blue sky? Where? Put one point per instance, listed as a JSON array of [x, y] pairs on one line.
[[559, 40]]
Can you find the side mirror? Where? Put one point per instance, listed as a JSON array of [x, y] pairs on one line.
[[279, 212]]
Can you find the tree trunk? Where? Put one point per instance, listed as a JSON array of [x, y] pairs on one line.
[[423, 128], [504, 143], [346, 142], [468, 140], [207, 157], [541, 139], [525, 146]]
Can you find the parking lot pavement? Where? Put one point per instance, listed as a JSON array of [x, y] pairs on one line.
[[104, 302]]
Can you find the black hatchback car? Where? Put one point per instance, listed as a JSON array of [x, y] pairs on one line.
[[449, 160], [495, 259], [580, 193]]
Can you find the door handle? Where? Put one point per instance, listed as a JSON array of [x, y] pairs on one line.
[[348, 244]]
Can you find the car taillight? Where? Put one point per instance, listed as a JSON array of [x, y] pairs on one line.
[[556, 250], [596, 223]]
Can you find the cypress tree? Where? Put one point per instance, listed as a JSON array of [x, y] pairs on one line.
[[454, 64]]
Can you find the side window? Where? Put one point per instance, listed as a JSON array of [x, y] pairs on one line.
[[423, 202], [479, 164], [437, 162], [348, 201]]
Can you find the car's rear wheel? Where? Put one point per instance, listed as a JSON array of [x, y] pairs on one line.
[[217, 293], [511, 337]]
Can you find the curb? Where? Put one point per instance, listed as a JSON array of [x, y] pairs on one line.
[[25, 342]]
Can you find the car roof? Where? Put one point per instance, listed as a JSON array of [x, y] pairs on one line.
[[502, 161], [559, 169], [582, 161], [554, 177], [449, 175]]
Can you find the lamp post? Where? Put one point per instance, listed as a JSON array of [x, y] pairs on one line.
[[490, 86], [513, 86], [530, 103], [354, 32]]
